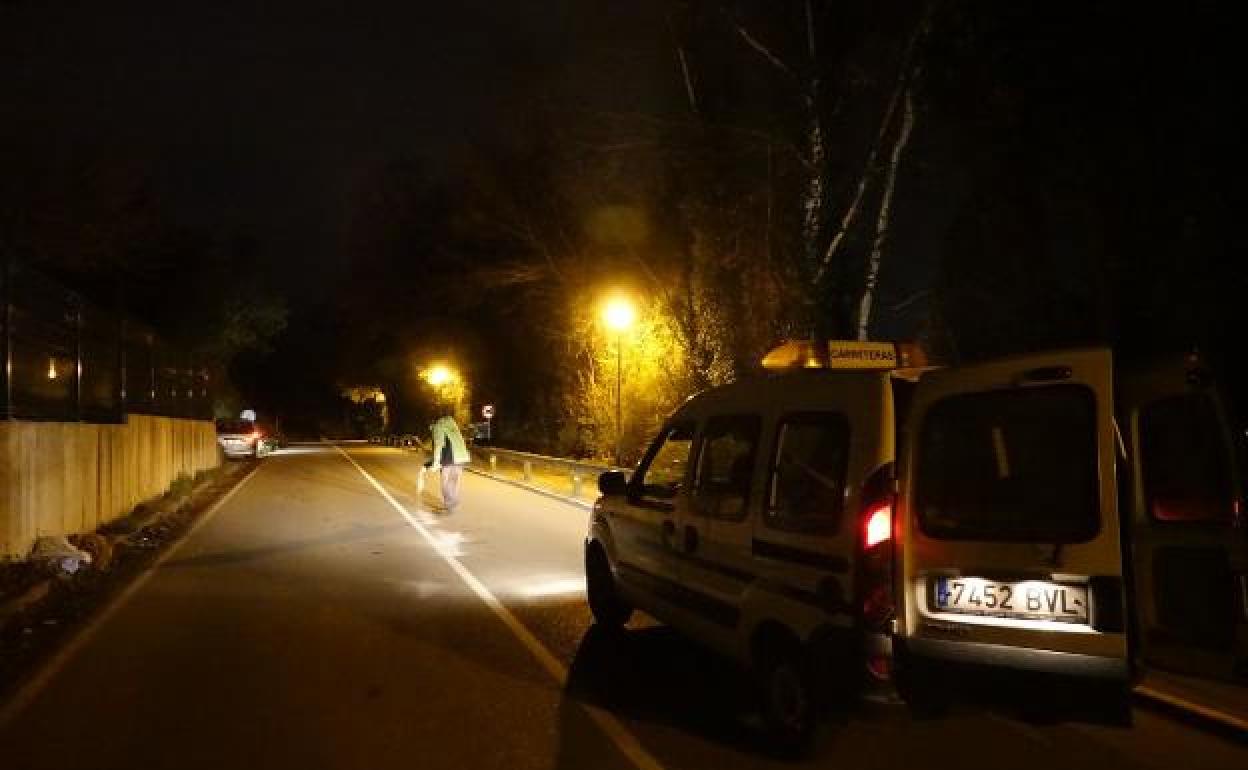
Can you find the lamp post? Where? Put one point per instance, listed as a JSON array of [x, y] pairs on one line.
[[619, 315]]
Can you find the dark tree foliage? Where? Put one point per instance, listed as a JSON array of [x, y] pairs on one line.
[[1087, 146]]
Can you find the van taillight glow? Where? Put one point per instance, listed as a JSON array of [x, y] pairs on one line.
[[879, 525]]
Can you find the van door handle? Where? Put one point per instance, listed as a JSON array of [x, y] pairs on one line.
[[669, 532], [691, 539]]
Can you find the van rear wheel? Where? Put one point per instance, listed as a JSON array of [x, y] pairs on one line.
[[1113, 701], [923, 689], [608, 607]]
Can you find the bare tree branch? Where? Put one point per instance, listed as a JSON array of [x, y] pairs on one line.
[[684, 67], [901, 305], [810, 33], [763, 138], [748, 38]]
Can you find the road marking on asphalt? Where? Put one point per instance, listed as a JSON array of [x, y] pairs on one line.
[[29, 691], [624, 740]]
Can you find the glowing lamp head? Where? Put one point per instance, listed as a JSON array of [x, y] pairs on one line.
[[439, 375], [619, 314]]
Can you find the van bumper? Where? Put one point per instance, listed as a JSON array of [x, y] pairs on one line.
[[1020, 658]]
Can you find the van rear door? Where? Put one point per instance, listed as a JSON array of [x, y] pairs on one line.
[[1189, 544], [1010, 539]]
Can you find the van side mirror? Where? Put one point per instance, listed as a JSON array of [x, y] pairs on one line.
[[612, 483]]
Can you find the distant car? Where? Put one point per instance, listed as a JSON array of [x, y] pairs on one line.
[[240, 438]]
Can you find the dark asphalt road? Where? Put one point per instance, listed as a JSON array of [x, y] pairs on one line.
[[310, 623]]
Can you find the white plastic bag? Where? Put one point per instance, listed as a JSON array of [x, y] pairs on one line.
[[57, 553]]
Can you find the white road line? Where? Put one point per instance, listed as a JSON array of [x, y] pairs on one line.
[[624, 740], [57, 663]]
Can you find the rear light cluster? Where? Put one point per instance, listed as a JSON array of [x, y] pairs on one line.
[[876, 589], [879, 524]]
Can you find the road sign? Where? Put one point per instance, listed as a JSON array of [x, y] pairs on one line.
[[842, 354], [487, 411]]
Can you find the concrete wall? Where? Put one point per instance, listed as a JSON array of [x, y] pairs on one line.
[[58, 478]]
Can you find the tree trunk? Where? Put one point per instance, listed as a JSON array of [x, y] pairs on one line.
[[904, 78], [881, 222], [812, 214]]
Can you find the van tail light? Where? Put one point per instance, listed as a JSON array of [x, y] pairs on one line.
[[879, 524], [880, 666], [876, 583]]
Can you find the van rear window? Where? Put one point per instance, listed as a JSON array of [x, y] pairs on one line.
[[1011, 465]]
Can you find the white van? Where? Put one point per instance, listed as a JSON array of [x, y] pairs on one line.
[[745, 524], [826, 526]]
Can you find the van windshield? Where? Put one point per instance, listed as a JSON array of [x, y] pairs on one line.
[[1011, 465]]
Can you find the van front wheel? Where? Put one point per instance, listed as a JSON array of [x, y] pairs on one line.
[[609, 609]]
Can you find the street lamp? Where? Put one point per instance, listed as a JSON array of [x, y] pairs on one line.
[[447, 384], [619, 315], [438, 375]]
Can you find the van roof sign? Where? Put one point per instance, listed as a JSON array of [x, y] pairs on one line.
[[843, 354]]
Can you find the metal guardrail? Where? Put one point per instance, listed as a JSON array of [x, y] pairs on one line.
[[529, 464], [577, 472]]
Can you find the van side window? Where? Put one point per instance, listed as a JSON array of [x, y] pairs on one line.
[[663, 471], [1185, 461], [807, 490], [725, 465]]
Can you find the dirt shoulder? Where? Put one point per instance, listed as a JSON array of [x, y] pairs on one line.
[[41, 608]]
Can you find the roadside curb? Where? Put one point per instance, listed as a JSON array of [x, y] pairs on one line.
[[107, 537], [31, 596], [1222, 721]]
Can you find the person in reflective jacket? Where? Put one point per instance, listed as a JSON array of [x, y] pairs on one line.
[[448, 454]]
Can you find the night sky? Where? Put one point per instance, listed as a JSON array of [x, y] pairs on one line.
[[258, 116]]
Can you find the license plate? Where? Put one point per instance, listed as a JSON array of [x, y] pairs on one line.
[[1027, 600]]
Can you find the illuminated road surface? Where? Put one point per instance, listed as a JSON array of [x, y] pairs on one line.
[[315, 622]]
